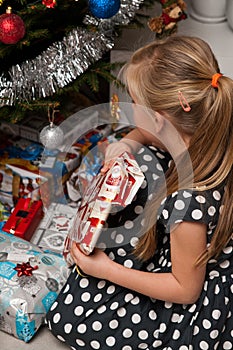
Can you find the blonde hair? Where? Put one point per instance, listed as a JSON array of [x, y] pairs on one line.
[[155, 75]]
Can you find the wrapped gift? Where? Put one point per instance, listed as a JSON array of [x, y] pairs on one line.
[[25, 218], [30, 281], [82, 178], [6, 185], [26, 184], [54, 227], [30, 127], [4, 212], [19, 178], [117, 186], [59, 162], [20, 148]]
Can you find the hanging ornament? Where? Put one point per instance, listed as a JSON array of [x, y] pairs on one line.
[[104, 8], [51, 136], [115, 109], [49, 3], [12, 28]]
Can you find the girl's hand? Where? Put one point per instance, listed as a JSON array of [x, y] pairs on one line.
[[113, 151], [97, 264]]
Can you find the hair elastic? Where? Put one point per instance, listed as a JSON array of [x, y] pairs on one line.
[[183, 102], [215, 78]]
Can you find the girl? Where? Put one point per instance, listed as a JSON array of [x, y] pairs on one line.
[[171, 286]]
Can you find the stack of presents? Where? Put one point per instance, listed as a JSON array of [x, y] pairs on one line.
[[40, 193]]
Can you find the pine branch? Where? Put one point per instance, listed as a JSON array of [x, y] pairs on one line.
[[44, 27], [90, 78]]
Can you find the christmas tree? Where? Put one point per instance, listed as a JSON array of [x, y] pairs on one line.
[[51, 48]]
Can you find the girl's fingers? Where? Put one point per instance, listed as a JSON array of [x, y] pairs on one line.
[[75, 252], [107, 165]]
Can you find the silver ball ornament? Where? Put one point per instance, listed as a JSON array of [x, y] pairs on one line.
[[51, 136]]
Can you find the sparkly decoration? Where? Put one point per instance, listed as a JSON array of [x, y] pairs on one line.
[[49, 3], [125, 14], [25, 269], [51, 136], [12, 28], [62, 62], [115, 109], [104, 8], [54, 68]]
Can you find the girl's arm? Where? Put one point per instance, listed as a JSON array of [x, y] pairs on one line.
[[183, 285]]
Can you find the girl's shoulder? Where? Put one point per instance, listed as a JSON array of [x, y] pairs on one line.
[[192, 206], [155, 157]]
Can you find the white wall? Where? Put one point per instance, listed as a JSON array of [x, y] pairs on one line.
[[218, 35]]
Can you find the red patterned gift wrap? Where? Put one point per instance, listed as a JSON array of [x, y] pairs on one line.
[[117, 187], [25, 218]]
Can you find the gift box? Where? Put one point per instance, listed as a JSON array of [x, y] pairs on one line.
[[51, 233], [6, 185], [91, 164], [5, 211], [30, 127], [19, 178], [57, 167], [30, 281], [26, 184], [16, 183], [25, 218], [77, 125], [62, 165], [117, 186], [82, 178]]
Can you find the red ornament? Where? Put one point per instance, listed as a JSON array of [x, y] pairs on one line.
[[12, 28], [25, 269], [49, 3]]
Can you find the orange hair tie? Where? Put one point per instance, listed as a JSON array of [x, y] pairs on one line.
[[215, 78]]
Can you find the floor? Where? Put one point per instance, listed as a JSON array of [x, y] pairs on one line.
[[43, 340], [220, 37]]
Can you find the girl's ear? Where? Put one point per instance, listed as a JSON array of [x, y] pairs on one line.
[[159, 122]]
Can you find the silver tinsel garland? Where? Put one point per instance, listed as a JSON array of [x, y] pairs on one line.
[[62, 62], [54, 68]]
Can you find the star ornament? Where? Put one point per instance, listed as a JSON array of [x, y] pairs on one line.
[[25, 269]]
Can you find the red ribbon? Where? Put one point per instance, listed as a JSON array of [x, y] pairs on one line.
[[25, 269]]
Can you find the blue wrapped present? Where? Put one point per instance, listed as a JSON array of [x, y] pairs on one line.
[[30, 281]]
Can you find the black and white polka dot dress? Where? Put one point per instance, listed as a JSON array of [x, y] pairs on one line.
[[95, 314]]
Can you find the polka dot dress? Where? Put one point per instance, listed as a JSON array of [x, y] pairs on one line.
[[95, 314]]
